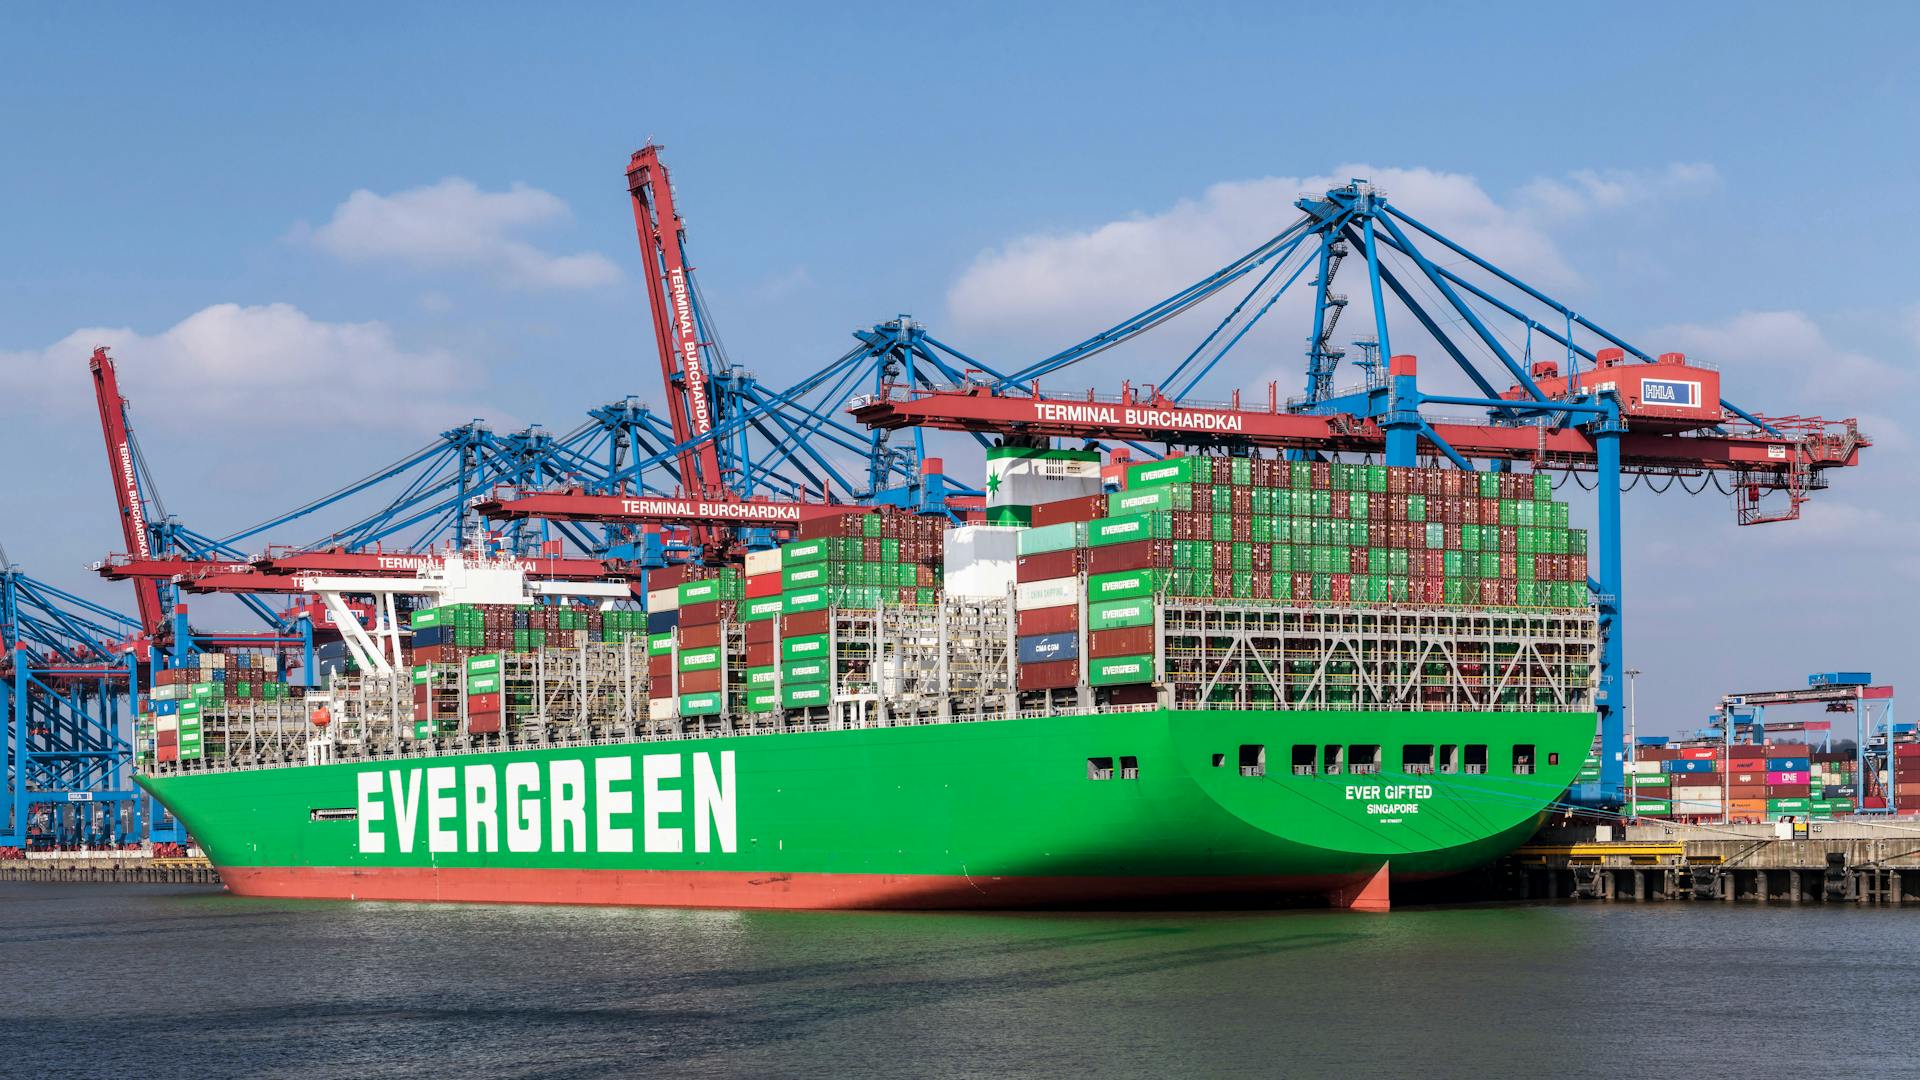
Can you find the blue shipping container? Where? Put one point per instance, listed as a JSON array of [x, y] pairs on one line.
[[430, 636], [1686, 766], [659, 622], [1788, 764], [165, 708], [1040, 648], [1653, 740]]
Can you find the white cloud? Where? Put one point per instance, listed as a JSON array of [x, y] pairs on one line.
[[1044, 290], [1587, 191], [269, 366], [1785, 351], [455, 225]]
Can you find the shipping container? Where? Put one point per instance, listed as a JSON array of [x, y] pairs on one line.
[[1044, 648]]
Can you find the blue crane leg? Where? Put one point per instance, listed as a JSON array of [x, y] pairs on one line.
[[1612, 719]]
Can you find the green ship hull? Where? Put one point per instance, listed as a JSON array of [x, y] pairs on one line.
[[1069, 809]]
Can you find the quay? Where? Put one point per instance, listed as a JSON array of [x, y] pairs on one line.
[[1848, 862]]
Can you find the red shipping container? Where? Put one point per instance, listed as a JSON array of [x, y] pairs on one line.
[[1046, 567], [700, 682], [1053, 620], [1126, 641], [1079, 508], [761, 653], [665, 577], [166, 753], [699, 636], [1262, 585], [1904, 750], [803, 623], [1340, 588], [761, 586], [166, 738], [844, 523], [1052, 675], [1789, 791], [1137, 555], [1699, 753], [659, 669], [1302, 588], [483, 723], [1696, 780], [760, 631], [1787, 749], [1132, 695], [699, 615]]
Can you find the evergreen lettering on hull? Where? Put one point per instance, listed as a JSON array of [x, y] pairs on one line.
[[620, 803]]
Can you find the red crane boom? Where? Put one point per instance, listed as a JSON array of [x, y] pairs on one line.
[[121, 469], [683, 367]]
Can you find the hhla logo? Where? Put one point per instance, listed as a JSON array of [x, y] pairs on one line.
[[560, 805]]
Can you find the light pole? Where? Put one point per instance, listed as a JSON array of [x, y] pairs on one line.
[[1633, 740]]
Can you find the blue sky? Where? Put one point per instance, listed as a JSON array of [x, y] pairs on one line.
[[1720, 178]]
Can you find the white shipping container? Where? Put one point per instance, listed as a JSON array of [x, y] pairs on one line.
[[763, 562], [980, 559], [1643, 766], [1054, 592], [663, 600], [662, 708], [166, 723]]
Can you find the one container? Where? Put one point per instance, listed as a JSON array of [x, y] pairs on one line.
[[1045, 648], [1053, 676], [1120, 670], [1057, 592], [1115, 614]]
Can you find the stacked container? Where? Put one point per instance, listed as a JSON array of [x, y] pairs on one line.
[[1335, 533]]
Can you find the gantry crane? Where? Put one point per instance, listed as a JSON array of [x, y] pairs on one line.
[[1629, 412]]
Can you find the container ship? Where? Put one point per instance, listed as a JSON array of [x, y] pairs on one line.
[[1206, 678]]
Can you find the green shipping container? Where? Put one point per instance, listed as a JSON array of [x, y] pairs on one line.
[[1128, 528], [1046, 538], [483, 664], [1143, 501], [805, 576], [759, 701], [698, 592], [1122, 585], [806, 647], [483, 684], [700, 704], [1652, 806], [1120, 670], [1172, 470], [805, 600], [1114, 614], [763, 676], [705, 659], [756, 610], [424, 618], [803, 551], [805, 671], [805, 695], [659, 644]]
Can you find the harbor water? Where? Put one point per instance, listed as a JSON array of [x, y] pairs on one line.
[[178, 981]]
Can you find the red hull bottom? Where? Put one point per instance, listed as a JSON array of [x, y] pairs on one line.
[[718, 889]]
